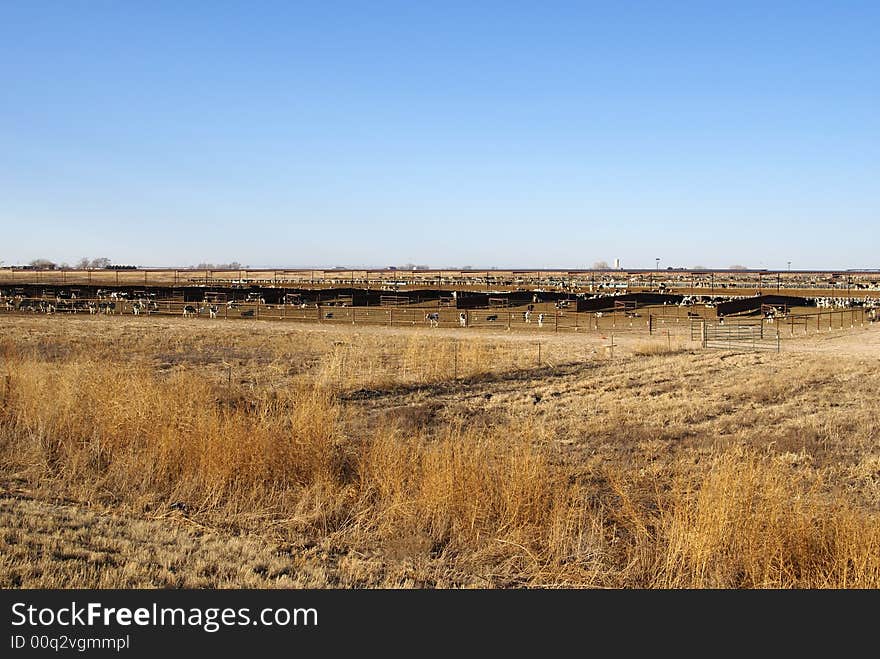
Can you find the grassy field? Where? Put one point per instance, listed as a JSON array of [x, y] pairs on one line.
[[161, 452]]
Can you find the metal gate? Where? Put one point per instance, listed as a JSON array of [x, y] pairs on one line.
[[735, 336]]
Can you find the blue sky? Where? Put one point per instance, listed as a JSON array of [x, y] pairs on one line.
[[504, 134]]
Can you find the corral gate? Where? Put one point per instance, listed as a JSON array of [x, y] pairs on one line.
[[735, 336]]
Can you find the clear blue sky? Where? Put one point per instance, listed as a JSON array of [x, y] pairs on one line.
[[508, 134]]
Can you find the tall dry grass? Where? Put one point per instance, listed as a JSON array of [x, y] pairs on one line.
[[753, 522], [491, 506], [126, 431]]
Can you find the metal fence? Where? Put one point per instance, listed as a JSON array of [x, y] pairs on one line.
[[736, 336]]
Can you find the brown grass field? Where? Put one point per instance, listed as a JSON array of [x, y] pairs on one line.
[[159, 452]]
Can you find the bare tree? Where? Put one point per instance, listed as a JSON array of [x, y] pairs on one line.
[[100, 263], [42, 264], [600, 265], [83, 263]]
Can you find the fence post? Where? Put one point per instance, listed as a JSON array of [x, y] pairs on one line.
[[762, 328], [320, 315], [651, 324], [556, 322], [509, 315], [391, 317], [703, 336]]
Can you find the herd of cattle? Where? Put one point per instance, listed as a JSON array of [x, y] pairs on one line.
[[111, 302], [107, 302]]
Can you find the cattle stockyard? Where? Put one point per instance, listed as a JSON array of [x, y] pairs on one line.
[[741, 307]]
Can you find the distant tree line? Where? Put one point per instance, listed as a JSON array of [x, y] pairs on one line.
[[85, 263]]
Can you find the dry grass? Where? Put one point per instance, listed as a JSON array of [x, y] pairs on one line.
[[337, 458]]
